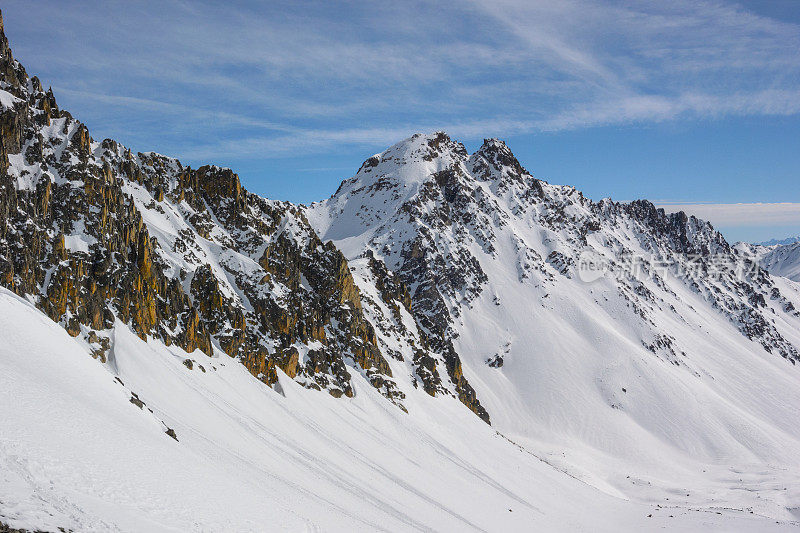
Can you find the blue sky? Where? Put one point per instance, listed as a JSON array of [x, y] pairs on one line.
[[692, 104]]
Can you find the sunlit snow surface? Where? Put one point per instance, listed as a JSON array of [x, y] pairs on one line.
[[76, 453], [716, 426], [783, 260], [590, 431]]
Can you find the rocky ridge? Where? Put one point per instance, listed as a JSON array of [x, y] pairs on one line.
[[95, 234], [441, 218]]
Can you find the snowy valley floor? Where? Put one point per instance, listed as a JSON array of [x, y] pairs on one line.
[[76, 453]]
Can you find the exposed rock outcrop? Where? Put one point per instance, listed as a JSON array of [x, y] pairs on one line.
[[83, 235]]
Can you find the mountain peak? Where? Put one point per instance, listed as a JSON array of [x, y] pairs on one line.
[[495, 154], [410, 161], [493, 144], [11, 72], [439, 147], [430, 146]]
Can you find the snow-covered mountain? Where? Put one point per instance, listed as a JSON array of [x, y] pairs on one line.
[[778, 259], [446, 343], [656, 360], [783, 260]]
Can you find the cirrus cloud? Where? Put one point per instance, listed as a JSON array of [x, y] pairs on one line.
[[265, 78]]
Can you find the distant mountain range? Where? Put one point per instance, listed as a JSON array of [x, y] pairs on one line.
[[774, 242], [779, 259], [447, 343]]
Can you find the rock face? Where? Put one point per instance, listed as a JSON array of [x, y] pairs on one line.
[[97, 235], [481, 246]]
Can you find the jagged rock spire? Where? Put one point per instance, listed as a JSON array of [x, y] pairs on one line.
[[11, 72], [499, 156]]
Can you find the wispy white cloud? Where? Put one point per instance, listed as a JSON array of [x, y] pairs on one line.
[[252, 79], [179, 110]]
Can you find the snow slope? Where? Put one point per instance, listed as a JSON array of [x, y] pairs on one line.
[[781, 260], [656, 388], [76, 453]]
